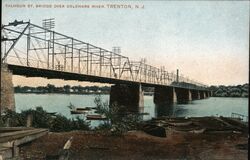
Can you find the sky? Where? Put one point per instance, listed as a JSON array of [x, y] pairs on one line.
[[207, 41]]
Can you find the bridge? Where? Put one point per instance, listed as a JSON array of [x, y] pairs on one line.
[[38, 51]]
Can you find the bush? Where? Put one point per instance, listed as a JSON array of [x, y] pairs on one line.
[[42, 119], [12, 119], [79, 124], [230, 91], [117, 122], [60, 123]]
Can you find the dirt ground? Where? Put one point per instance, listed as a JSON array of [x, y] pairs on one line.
[[138, 145]]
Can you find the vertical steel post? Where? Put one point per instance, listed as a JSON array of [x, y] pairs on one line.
[[72, 50], [90, 63], [158, 76], [53, 50], [119, 63], [177, 75], [65, 57], [110, 65], [48, 54], [100, 69], [79, 62], [87, 58], [28, 46], [140, 70]]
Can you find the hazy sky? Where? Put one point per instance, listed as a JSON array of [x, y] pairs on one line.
[[206, 40]]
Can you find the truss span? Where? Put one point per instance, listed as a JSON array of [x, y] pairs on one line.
[[37, 49]]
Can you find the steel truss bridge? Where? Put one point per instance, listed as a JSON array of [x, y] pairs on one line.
[[34, 51]]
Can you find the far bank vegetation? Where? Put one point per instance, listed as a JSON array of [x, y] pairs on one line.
[[218, 91], [230, 91]]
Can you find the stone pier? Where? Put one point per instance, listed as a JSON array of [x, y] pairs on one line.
[[165, 95], [208, 94], [203, 94], [183, 95], [129, 96], [7, 90], [195, 94]]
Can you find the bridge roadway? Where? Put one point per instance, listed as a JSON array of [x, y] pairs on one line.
[[54, 74], [124, 92]]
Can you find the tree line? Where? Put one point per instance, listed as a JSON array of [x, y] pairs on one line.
[[218, 91], [230, 91], [67, 89]]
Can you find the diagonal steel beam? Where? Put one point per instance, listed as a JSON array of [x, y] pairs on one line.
[[12, 46]]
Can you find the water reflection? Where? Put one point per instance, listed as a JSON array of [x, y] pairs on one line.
[[165, 110], [171, 110]]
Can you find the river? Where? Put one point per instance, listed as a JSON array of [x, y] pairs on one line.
[[213, 106]]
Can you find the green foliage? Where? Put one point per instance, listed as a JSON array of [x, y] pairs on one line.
[[42, 119], [60, 123], [230, 91], [1, 123], [105, 127], [79, 124], [71, 106], [12, 119], [51, 88], [65, 89], [118, 119]]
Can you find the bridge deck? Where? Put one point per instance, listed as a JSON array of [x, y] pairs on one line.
[[53, 74]]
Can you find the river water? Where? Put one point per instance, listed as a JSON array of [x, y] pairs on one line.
[[213, 106]]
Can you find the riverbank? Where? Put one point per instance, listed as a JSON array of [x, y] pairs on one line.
[[223, 138], [138, 145]]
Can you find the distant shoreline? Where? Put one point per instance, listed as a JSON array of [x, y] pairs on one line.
[[218, 91], [98, 93], [94, 93], [73, 93]]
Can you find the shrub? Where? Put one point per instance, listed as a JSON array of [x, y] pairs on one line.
[[42, 119], [117, 122], [12, 118]]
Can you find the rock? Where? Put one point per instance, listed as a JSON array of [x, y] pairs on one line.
[[154, 130]]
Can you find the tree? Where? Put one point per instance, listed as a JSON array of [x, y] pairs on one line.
[[18, 89], [117, 122], [67, 88], [51, 88]]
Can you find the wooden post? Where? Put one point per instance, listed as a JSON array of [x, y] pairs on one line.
[[29, 120]]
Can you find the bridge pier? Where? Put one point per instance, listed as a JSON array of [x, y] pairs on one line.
[[207, 94], [165, 95], [129, 96], [195, 94], [203, 94], [183, 95], [7, 91]]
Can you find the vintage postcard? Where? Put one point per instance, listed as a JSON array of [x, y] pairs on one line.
[[124, 79]]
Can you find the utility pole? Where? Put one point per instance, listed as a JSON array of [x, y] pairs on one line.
[[177, 75]]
